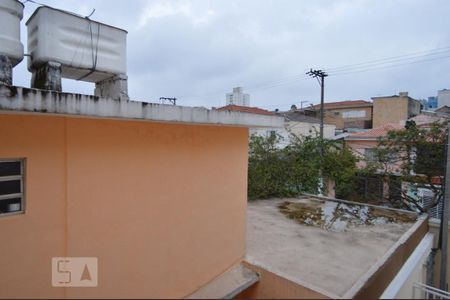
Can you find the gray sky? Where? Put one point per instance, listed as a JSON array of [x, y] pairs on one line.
[[199, 50]]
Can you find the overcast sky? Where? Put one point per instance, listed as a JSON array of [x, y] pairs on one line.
[[198, 50]]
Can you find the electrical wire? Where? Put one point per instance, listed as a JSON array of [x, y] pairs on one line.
[[371, 65], [382, 67], [391, 59]]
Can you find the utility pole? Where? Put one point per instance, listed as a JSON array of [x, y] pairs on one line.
[[445, 219], [171, 100], [320, 76], [301, 104]]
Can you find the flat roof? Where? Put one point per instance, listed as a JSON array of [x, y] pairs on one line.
[[328, 246], [25, 100]]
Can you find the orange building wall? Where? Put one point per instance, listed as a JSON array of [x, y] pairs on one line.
[[161, 206], [273, 286]]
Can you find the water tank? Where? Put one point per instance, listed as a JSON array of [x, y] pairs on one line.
[[86, 49], [11, 12]]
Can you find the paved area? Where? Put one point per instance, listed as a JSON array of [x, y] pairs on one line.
[[326, 260]]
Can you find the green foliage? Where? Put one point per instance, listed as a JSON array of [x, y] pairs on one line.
[[415, 155], [295, 169]]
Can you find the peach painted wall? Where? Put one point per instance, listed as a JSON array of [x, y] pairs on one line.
[[358, 147], [162, 206]]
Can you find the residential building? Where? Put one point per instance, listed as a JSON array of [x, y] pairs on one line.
[[443, 111], [394, 109], [237, 97], [152, 196], [443, 98], [432, 103], [364, 143], [299, 124], [139, 186], [345, 114], [295, 123]]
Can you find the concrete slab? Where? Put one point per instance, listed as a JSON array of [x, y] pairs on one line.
[[24, 100], [330, 259]]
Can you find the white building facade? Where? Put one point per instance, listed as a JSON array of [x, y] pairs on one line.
[[237, 97], [443, 98]]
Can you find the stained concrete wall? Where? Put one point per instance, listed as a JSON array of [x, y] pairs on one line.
[[161, 206], [388, 267], [394, 109]]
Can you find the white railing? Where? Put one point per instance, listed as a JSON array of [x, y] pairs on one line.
[[423, 291]]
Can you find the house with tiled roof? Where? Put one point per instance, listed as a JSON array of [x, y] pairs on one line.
[[345, 115], [363, 144], [296, 122], [246, 109]]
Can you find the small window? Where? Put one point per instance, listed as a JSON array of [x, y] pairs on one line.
[[11, 186]]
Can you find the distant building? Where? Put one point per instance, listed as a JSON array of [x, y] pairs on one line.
[[443, 98], [237, 97], [295, 122], [363, 144], [345, 114], [432, 103], [445, 110], [298, 124], [393, 109]]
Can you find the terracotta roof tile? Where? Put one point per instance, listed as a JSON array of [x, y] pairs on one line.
[[246, 109], [376, 132], [342, 104]]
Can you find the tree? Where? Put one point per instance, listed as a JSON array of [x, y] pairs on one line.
[[412, 155], [295, 169]]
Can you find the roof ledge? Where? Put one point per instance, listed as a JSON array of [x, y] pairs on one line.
[[25, 100], [228, 285]]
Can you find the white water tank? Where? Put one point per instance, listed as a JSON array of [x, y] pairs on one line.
[[86, 49], [11, 12]]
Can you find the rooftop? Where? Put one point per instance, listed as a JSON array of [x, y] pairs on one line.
[[423, 120], [333, 247], [298, 116], [25, 100], [344, 104], [375, 132], [246, 109]]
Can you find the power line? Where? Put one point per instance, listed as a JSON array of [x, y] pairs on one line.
[[381, 67], [378, 64], [392, 59]]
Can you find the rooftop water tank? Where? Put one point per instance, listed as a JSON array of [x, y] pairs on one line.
[[86, 49], [11, 12]]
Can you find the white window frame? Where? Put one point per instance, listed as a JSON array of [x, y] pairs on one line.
[[20, 195]]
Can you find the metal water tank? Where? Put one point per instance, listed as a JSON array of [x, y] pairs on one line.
[[11, 13], [86, 49]]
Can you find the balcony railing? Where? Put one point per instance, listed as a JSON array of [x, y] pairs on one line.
[[423, 291]]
